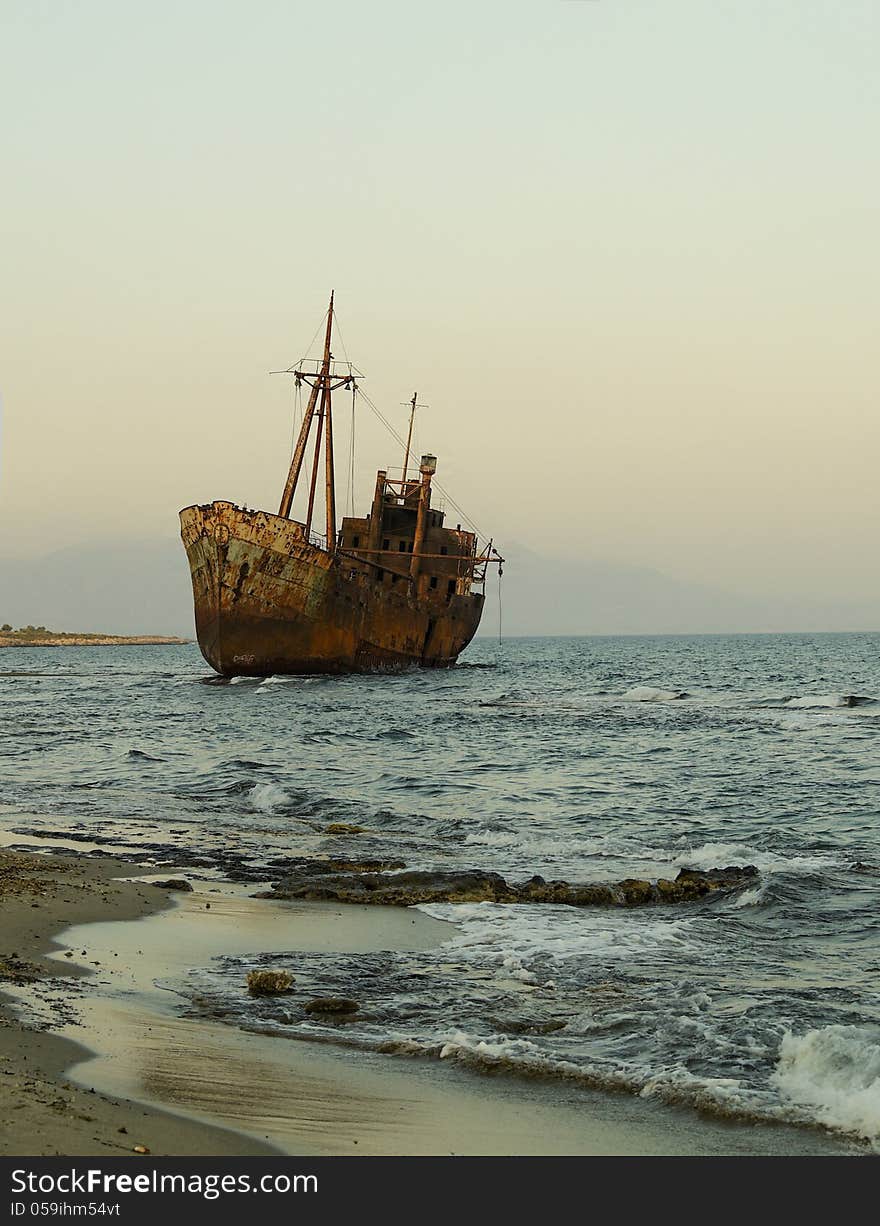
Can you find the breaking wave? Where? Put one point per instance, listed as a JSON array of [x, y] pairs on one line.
[[267, 797], [834, 1071], [717, 855]]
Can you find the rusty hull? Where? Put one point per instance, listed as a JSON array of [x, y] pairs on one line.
[[269, 602]]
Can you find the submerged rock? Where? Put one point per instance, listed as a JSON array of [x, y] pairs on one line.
[[332, 1004], [173, 883], [319, 881]]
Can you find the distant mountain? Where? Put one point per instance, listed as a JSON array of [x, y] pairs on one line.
[[140, 587], [143, 587], [545, 595]]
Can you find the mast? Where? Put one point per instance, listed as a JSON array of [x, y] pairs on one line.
[[322, 380], [329, 477], [322, 383], [412, 416]]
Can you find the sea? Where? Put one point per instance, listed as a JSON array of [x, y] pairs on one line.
[[580, 759]]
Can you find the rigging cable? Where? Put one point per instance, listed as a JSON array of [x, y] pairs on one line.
[[296, 424], [351, 454], [354, 389], [305, 356], [500, 573], [339, 334]]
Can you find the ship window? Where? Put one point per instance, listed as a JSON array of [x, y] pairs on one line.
[[386, 544], [410, 546], [401, 547], [433, 581], [443, 549], [394, 577], [450, 587], [355, 541], [380, 575]]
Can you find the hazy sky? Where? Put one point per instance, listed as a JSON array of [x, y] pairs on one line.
[[627, 251]]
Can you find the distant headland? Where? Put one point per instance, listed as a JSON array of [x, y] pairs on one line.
[[39, 636]]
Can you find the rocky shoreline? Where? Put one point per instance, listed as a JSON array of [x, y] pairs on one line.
[[315, 880], [302, 1098]]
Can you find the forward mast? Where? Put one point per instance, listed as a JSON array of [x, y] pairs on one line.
[[323, 383]]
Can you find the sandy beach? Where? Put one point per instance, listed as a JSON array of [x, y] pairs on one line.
[[121, 1067], [41, 1110]]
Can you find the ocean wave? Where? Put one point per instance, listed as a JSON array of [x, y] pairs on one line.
[[246, 764], [717, 855], [820, 1092], [267, 797], [815, 702], [834, 1071], [832, 700], [650, 693], [726, 1097], [750, 898]]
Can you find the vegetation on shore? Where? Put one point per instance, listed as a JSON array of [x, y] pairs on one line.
[[39, 636]]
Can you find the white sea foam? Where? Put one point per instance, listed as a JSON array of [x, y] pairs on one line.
[[835, 1071], [267, 797], [512, 934], [512, 1051], [719, 855], [649, 693]]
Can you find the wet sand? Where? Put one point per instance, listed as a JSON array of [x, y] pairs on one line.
[[123, 1056], [41, 1111]]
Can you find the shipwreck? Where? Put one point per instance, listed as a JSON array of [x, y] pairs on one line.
[[393, 589]]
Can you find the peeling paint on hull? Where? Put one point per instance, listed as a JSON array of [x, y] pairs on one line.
[[269, 602]]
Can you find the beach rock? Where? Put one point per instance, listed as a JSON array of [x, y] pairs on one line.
[[173, 883], [332, 1004], [269, 983], [319, 881], [14, 970], [345, 828]]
